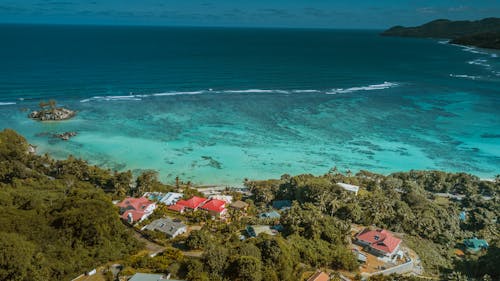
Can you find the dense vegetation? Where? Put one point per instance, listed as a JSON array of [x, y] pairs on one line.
[[402, 202], [488, 40], [483, 33], [316, 230], [55, 223]]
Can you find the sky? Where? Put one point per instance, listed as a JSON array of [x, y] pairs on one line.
[[356, 14]]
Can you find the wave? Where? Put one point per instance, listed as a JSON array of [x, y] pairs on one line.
[[179, 93], [305, 91], [465, 76], [7, 103], [473, 50], [115, 98], [444, 41], [139, 97], [256, 91], [481, 62], [373, 87]]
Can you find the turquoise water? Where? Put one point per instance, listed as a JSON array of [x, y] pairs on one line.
[[215, 106]]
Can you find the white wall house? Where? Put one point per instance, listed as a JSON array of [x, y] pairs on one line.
[[349, 187], [171, 198]]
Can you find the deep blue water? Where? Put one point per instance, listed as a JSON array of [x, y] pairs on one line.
[[215, 105]]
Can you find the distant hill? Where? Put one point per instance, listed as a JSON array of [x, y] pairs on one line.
[[489, 40], [483, 33]]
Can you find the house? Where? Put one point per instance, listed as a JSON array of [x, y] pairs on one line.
[[191, 204], [282, 205], [269, 215], [226, 198], [215, 207], [136, 209], [255, 230], [319, 276], [150, 277], [380, 242], [239, 205], [168, 226], [474, 244], [177, 208], [171, 198], [349, 187]]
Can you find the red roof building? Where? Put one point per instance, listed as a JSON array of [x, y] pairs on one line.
[[177, 208], [136, 209], [380, 241], [215, 207], [193, 203]]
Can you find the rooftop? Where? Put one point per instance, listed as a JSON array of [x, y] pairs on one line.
[[270, 215], [140, 203], [255, 230], [193, 202], [282, 204], [165, 225], [239, 204], [476, 244], [380, 239], [214, 205]]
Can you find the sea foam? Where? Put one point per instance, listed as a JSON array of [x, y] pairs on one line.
[[256, 91], [465, 76], [178, 93], [373, 87], [7, 103], [481, 62], [139, 97]]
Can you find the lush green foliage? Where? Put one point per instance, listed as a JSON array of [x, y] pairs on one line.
[[55, 223], [414, 203]]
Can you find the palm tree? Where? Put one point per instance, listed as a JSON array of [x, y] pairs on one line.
[[42, 105], [52, 105], [334, 204]]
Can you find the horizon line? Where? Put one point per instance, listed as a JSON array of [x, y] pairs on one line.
[[187, 26]]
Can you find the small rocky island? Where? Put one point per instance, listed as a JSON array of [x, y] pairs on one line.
[[65, 136], [483, 33], [50, 112]]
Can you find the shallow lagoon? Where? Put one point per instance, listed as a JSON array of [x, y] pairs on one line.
[[197, 111]]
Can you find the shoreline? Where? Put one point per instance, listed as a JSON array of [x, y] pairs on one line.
[[240, 184]]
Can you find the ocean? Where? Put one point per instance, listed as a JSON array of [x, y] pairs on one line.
[[218, 105]]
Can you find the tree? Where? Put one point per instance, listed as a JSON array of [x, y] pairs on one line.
[[215, 258], [147, 181], [197, 239], [248, 269], [195, 271], [15, 257]]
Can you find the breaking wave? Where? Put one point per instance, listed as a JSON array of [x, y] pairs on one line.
[[138, 97], [465, 76], [373, 87], [7, 103], [481, 62]]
